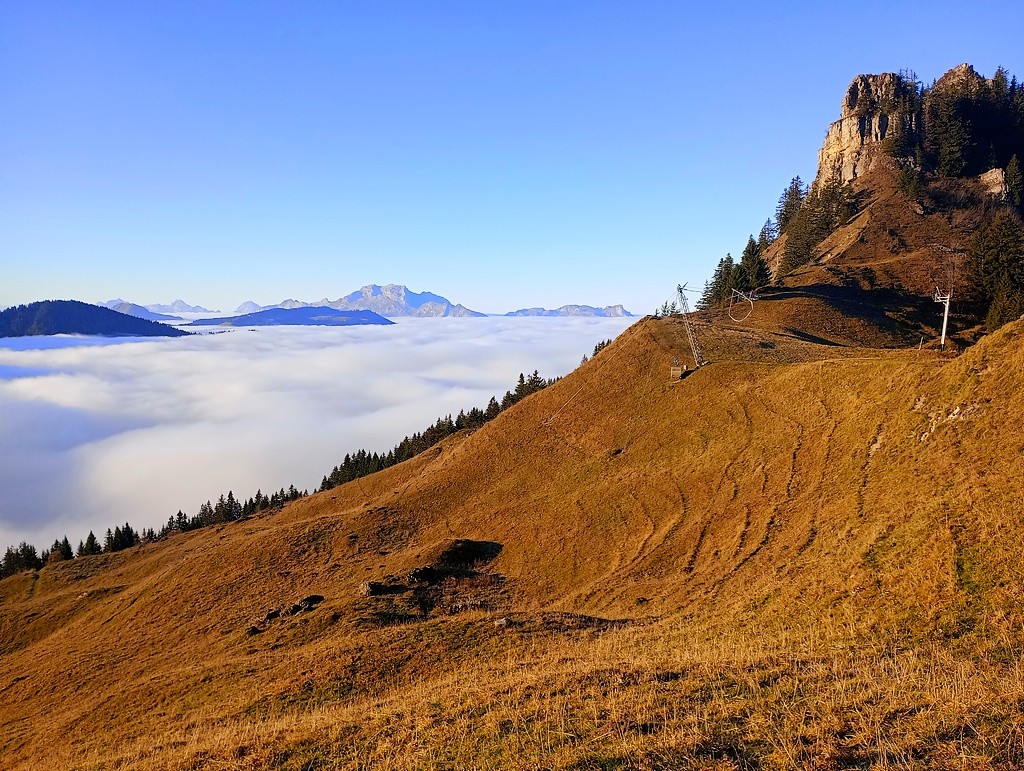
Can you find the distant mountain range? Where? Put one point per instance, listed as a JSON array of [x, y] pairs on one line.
[[71, 317], [573, 310], [307, 316], [395, 300], [139, 311], [391, 301], [178, 306]]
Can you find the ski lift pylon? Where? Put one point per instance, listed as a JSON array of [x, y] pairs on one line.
[[698, 357]]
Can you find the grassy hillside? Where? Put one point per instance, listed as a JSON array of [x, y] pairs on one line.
[[802, 554], [870, 282]]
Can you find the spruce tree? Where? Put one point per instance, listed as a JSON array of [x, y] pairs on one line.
[[995, 264], [789, 203], [753, 269], [493, 408], [1015, 181], [767, 235], [92, 545]]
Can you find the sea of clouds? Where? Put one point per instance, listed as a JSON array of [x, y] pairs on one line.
[[97, 432]]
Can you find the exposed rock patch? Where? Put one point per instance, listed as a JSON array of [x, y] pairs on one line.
[[449, 583], [306, 604]]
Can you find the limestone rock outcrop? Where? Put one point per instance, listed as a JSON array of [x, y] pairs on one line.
[[853, 144], [993, 182]]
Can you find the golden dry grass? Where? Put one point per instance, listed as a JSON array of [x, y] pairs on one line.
[[814, 553]]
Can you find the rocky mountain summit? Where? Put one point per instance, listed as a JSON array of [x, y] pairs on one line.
[[178, 306], [393, 300], [139, 311], [398, 301], [960, 125], [853, 144], [390, 301]]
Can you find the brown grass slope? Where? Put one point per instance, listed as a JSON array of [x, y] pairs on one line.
[[870, 282], [800, 555]]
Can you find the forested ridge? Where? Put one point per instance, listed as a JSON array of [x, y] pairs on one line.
[[71, 317]]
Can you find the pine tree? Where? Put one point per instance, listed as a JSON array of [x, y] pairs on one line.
[[789, 203], [493, 408], [1007, 304], [767, 235], [723, 280], [994, 254], [92, 545], [1015, 181], [753, 271]]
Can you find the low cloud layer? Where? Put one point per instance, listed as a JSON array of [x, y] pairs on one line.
[[93, 435]]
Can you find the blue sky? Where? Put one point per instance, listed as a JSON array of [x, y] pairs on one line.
[[501, 154]]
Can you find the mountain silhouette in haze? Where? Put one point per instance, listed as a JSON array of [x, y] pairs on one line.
[[71, 317], [313, 316]]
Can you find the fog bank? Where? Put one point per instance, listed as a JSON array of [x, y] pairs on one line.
[[95, 433]]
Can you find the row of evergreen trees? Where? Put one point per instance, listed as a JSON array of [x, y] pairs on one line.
[[24, 556], [745, 276], [959, 127], [995, 266], [361, 463], [229, 509], [806, 215]]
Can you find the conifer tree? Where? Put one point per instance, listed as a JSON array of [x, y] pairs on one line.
[[753, 271], [995, 263], [789, 203], [493, 408], [1015, 181], [767, 235], [91, 545]]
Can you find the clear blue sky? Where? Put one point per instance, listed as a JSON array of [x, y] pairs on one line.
[[501, 154]]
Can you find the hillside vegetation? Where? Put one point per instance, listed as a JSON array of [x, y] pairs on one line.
[[801, 554], [71, 317]]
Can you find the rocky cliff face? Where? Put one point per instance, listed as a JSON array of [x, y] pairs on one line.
[[853, 144], [961, 126]]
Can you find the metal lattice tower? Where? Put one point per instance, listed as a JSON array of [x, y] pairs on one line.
[[698, 357]]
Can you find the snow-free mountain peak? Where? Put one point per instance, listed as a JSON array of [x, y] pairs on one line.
[[178, 306]]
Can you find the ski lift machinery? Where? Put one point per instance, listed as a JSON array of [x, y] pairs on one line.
[[691, 334]]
